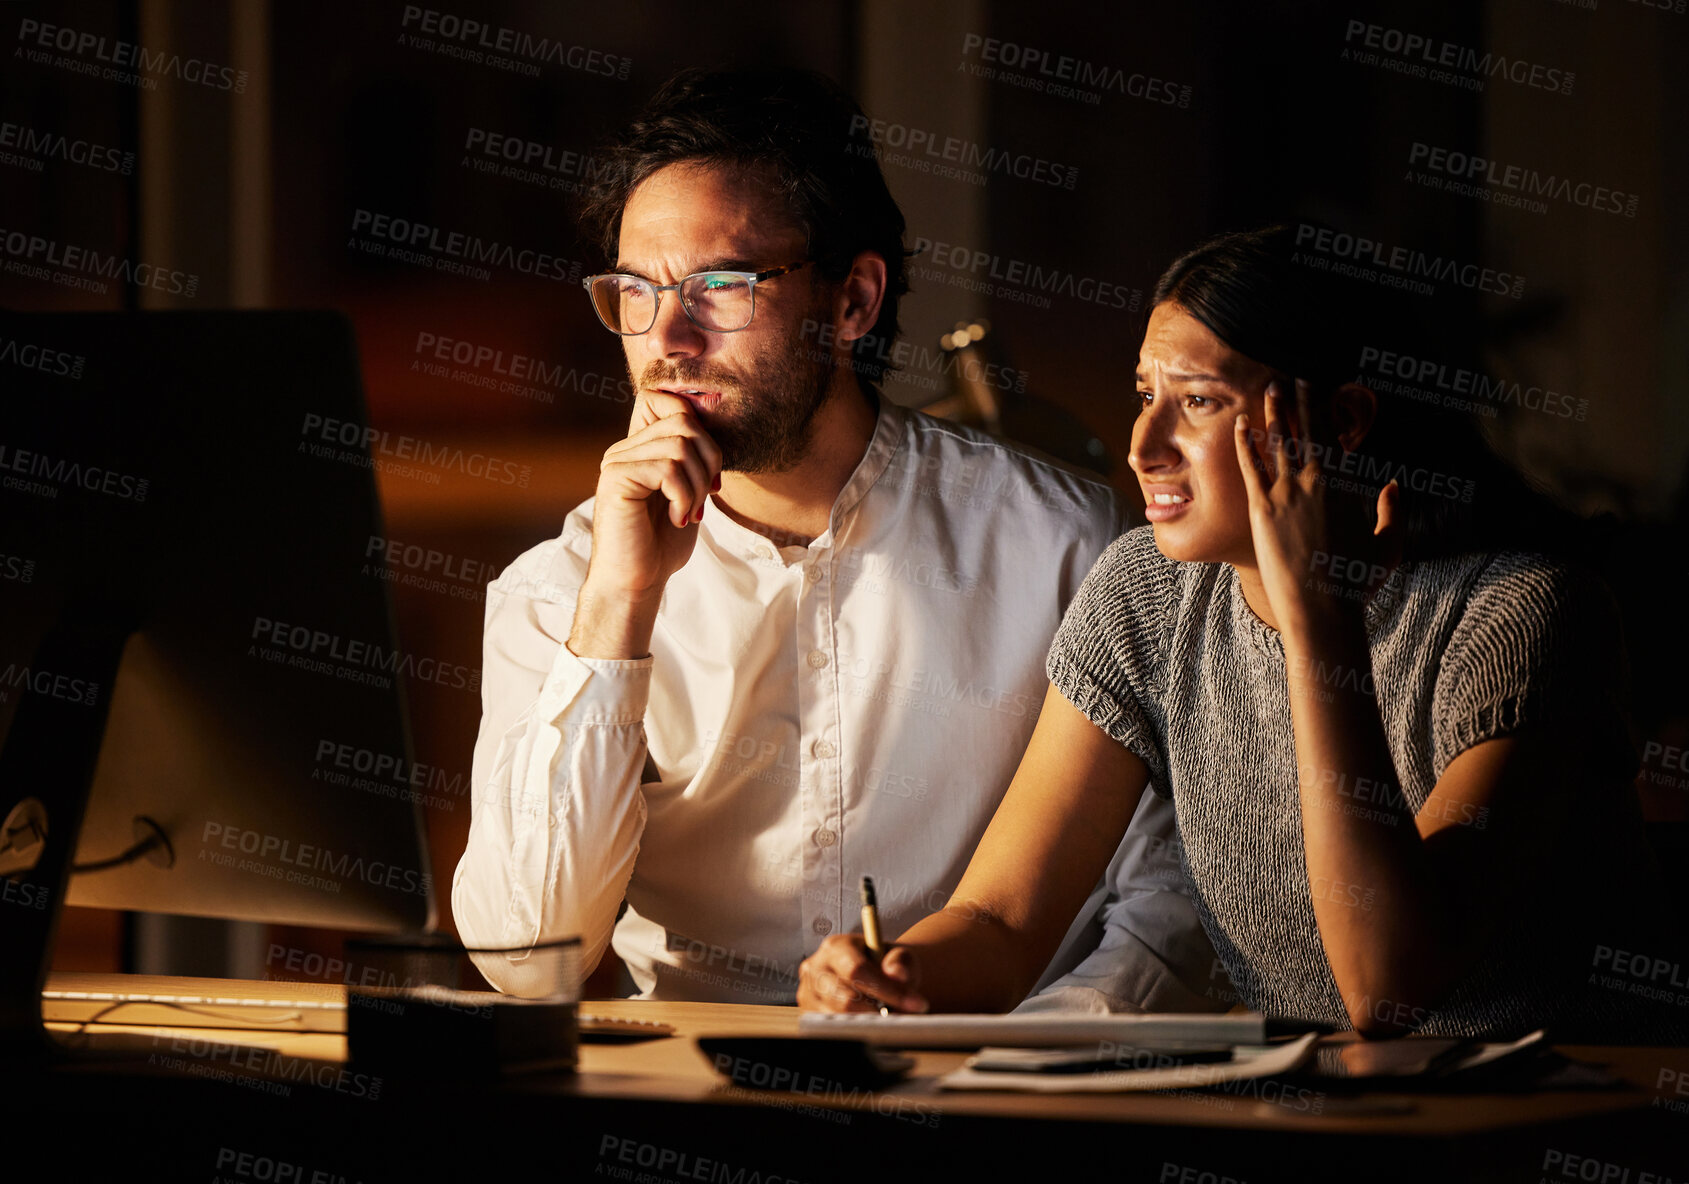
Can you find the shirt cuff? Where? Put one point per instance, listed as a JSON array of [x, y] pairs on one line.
[[597, 690]]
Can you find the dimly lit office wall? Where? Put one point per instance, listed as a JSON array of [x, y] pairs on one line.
[[1516, 167]]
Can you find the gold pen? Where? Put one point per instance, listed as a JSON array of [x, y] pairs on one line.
[[871, 927]]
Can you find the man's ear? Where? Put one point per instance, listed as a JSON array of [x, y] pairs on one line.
[[857, 306], [1354, 408]]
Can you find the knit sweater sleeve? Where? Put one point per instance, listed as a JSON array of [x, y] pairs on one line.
[[1538, 648], [1109, 655]]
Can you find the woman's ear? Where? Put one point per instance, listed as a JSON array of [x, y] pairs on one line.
[[1353, 409], [857, 306]]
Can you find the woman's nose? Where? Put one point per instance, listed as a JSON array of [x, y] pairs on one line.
[[1152, 440]]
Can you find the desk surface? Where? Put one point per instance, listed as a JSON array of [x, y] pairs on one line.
[[620, 1082], [674, 1070]]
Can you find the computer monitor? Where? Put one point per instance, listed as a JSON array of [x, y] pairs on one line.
[[192, 642]]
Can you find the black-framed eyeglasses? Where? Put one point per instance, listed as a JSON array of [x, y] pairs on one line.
[[717, 301]]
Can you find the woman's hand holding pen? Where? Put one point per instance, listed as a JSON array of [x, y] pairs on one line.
[[844, 975]]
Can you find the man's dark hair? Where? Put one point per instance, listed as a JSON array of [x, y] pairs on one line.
[[799, 129]]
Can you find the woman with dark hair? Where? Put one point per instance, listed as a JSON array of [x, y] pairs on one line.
[[1396, 747]]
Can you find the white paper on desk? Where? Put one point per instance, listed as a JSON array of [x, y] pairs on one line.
[[1256, 1061], [1486, 1054], [1038, 1030]]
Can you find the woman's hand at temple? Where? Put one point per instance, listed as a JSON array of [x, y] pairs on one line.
[[1291, 520], [844, 976]]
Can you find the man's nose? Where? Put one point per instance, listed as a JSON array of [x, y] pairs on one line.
[[674, 335]]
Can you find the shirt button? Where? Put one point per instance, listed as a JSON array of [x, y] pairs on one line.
[[767, 553], [817, 660], [825, 838], [824, 750], [821, 926], [812, 572]]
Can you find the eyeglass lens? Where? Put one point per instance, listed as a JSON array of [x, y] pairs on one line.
[[719, 301]]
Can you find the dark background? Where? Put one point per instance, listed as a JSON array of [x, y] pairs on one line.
[[255, 194]]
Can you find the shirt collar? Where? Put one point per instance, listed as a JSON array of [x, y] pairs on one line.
[[888, 434], [889, 431]]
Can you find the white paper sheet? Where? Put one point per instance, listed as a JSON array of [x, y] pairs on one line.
[[1037, 1030], [1251, 1061]]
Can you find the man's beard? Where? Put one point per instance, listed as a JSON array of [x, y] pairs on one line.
[[766, 421]]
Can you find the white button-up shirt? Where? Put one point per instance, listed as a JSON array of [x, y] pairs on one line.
[[808, 715]]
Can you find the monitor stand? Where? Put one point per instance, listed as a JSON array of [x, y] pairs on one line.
[[46, 770]]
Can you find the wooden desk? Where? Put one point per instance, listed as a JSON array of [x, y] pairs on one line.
[[657, 1110]]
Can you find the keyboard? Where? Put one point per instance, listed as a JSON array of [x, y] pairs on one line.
[[180, 1002]]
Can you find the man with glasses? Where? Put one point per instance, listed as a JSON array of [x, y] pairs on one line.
[[798, 635]]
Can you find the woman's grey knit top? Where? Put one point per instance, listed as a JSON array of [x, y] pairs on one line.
[[1170, 661]]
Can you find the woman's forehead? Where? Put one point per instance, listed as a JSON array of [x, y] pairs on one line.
[[1179, 347]]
